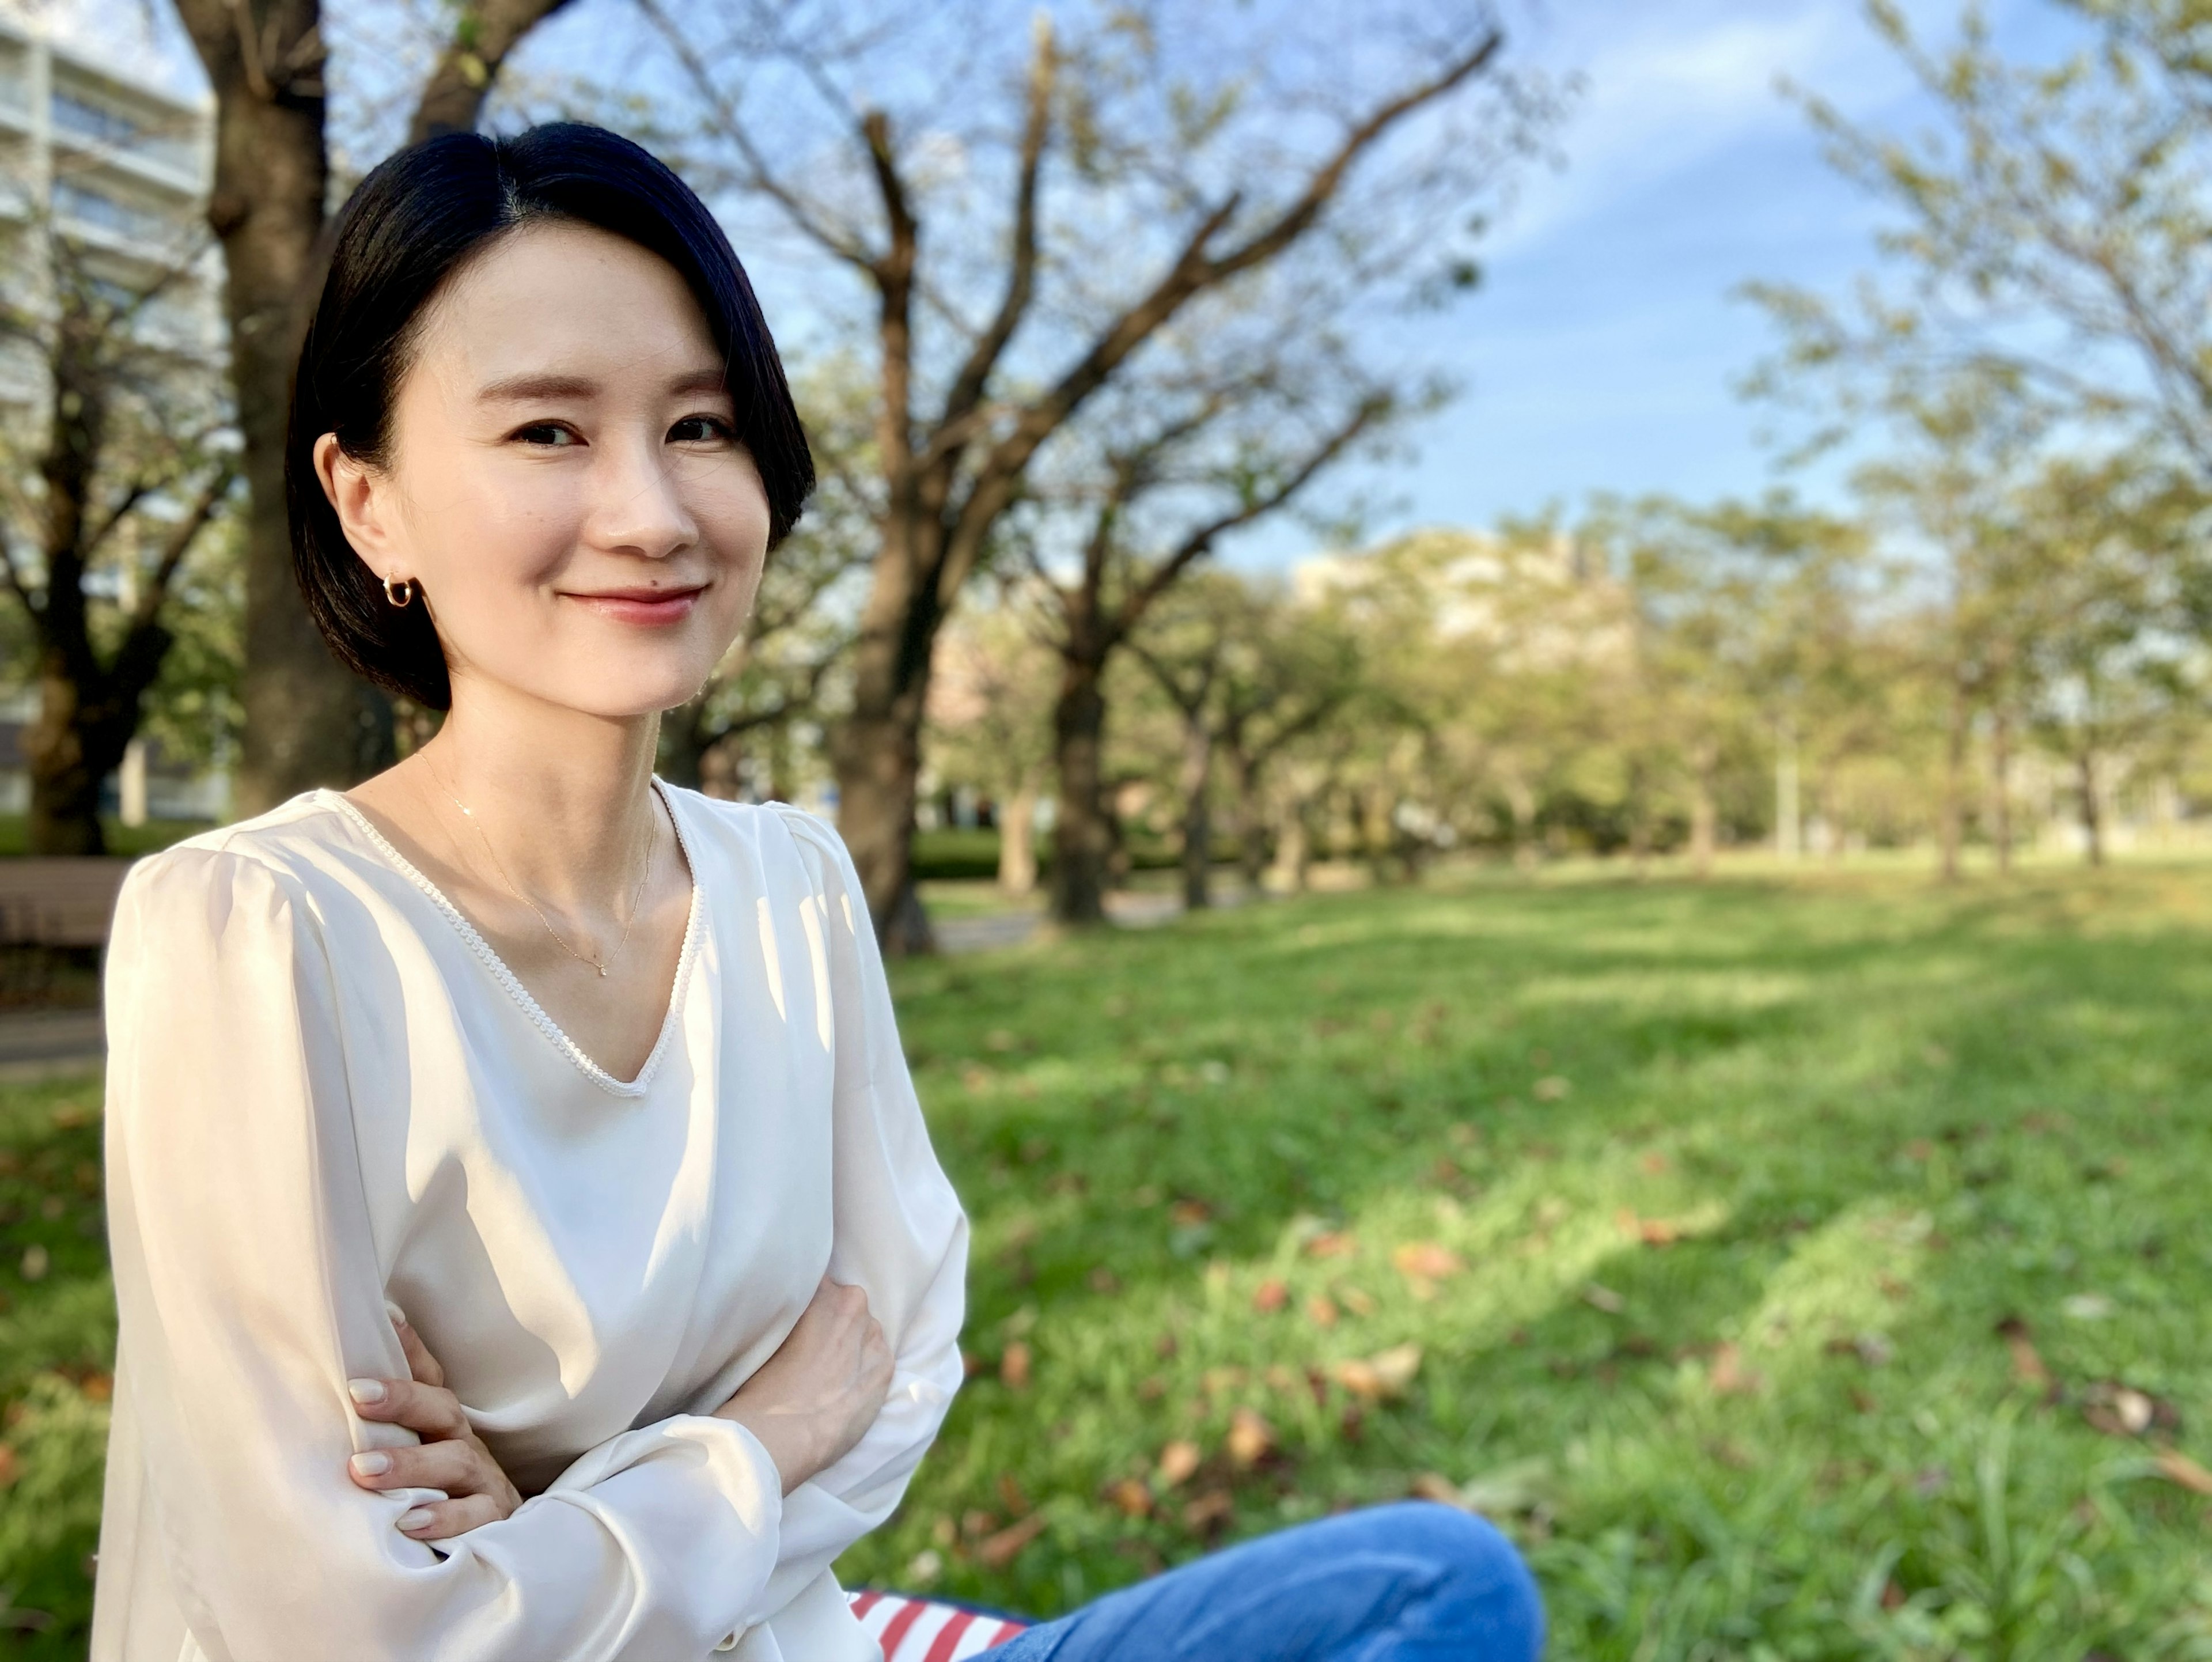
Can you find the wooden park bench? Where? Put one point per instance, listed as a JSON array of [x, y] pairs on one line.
[[58, 903]]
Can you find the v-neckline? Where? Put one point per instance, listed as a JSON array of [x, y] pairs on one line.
[[473, 938]]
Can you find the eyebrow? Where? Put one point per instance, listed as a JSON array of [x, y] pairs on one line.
[[527, 388]]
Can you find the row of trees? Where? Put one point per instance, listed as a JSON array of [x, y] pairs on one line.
[[1089, 292]]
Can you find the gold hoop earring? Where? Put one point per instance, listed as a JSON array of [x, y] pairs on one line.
[[406, 591]]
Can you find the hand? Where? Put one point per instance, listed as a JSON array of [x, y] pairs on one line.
[[817, 1396], [451, 1456]]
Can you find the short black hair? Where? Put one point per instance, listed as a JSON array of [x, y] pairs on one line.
[[412, 223]]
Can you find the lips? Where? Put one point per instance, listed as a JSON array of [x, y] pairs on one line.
[[649, 607]]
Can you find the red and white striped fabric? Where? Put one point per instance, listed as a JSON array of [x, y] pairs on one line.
[[916, 1630]]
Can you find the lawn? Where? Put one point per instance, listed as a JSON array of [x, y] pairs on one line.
[[1797, 1267]]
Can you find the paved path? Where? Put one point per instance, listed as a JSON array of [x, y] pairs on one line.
[[36, 1042], [1142, 909]]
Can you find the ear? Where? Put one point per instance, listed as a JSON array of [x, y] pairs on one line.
[[361, 497]]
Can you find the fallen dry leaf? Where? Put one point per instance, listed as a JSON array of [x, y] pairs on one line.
[[1652, 1232], [1435, 1486], [2028, 1367], [1333, 1244], [1189, 1214], [1014, 1366], [1654, 1162], [1017, 1503], [1320, 1312], [1729, 1376], [2121, 1410], [2177, 1468], [1551, 1088], [1177, 1461], [1130, 1498], [1001, 1549], [1605, 1298], [1104, 1281], [1386, 1374], [10, 1467], [1356, 1301], [1250, 1438], [99, 1387], [1271, 1296], [1426, 1261], [1208, 1510]]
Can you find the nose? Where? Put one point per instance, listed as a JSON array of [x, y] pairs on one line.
[[638, 507]]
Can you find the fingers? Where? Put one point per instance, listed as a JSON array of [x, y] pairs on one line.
[[435, 1520], [420, 1362], [455, 1466], [433, 1411]]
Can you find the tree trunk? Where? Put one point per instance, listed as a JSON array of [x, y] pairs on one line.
[[1953, 829], [1082, 830], [1251, 822], [1294, 847], [1197, 783], [2093, 815], [2001, 788], [1789, 833], [1018, 871], [1520, 802], [307, 721], [65, 773], [1704, 812]]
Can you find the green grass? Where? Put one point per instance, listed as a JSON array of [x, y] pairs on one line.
[[1740, 1182]]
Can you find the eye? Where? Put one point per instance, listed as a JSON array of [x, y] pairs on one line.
[[548, 435], [699, 429]]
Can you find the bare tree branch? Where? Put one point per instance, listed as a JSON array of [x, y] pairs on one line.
[[485, 32]]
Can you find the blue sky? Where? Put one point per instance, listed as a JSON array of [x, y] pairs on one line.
[[1602, 350]]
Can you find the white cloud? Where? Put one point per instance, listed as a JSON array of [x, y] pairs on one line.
[[1667, 85]]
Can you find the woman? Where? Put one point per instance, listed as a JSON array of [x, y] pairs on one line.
[[528, 1243]]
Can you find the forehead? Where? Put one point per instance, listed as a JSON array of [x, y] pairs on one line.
[[566, 299]]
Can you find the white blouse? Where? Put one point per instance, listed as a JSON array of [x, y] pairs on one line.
[[326, 1091]]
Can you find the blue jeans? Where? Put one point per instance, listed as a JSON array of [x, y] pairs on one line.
[[1415, 1582]]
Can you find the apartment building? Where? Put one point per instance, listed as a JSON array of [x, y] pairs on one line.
[[120, 167]]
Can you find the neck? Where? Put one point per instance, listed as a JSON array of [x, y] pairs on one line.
[[564, 798]]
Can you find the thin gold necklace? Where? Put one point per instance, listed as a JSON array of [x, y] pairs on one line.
[[500, 866]]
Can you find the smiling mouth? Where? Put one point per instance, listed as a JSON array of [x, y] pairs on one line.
[[647, 606]]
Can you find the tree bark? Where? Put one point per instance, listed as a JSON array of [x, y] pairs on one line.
[[1520, 802], [2001, 788], [1294, 848], [1704, 812], [1017, 868], [2092, 812], [1954, 828], [1251, 820], [1082, 830], [1197, 783]]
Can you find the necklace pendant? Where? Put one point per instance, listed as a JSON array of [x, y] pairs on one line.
[[602, 971]]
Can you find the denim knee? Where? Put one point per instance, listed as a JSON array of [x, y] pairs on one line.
[[1477, 1564]]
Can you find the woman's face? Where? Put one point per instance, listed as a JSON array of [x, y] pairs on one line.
[[563, 483]]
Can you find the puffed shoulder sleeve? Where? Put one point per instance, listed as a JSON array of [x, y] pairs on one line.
[[899, 1231], [249, 1292]]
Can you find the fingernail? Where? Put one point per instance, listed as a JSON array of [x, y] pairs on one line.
[[415, 1517], [371, 1463], [365, 1391], [395, 1313]]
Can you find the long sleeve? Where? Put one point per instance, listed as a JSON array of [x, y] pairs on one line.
[[249, 1292], [900, 1232]]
